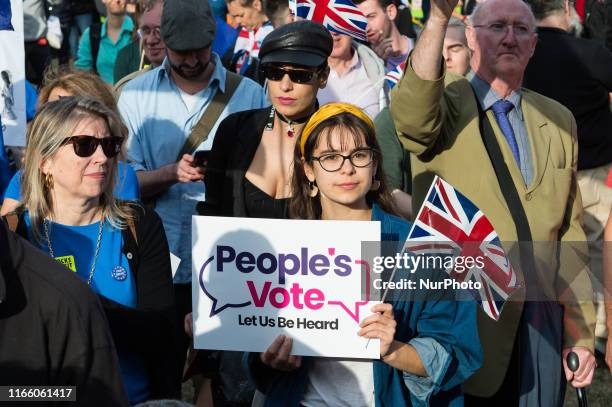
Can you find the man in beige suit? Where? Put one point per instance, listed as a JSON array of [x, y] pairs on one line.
[[438, 120]]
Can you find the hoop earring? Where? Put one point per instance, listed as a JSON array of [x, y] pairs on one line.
[[375, 184], [48, 181], [314, 190]]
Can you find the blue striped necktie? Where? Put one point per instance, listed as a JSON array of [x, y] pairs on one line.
[[501, 109]]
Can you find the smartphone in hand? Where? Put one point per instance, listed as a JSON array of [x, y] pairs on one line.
[[200, 158]]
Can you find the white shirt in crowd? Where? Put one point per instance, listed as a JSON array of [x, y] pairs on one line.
[[339, 382], [353, 86]]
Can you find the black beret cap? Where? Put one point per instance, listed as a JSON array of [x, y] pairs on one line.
[[299, 43], [187, 24]]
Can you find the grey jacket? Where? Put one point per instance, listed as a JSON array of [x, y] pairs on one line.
[[375, 70], [35, 14]]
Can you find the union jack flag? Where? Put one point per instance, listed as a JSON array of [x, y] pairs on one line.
[[6, 15], [393, 76], [341, 16], [449, 223]]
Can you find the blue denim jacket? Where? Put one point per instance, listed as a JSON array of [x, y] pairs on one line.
[[444, 334]]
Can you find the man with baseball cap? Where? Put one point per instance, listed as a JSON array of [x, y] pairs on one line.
[[173, 111]]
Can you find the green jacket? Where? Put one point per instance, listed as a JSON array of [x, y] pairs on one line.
[[438, 122]]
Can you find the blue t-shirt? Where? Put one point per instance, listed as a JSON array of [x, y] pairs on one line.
[[74, 246], [225, 36], [126, 186], [31, 97]]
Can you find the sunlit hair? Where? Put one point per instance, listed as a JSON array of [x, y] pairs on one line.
[[273, 9], [347, 126], [455, 23], [54, 122], [477, 14], [147, 5], [382, 3], [243, 3], [77, 83]]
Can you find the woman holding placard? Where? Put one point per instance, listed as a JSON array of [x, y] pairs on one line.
[[427, 348], [251, 161]]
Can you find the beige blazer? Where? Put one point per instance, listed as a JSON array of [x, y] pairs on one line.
[[438, 122]]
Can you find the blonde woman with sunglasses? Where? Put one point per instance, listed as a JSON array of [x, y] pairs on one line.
[[59, 84], [118, 249]]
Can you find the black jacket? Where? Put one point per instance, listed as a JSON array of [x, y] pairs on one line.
[[236, 142], [149, 328], [578, 74], [52, 328]]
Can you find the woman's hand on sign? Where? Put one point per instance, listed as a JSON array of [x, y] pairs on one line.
[[188, 324], [278, 356], [381, 325]]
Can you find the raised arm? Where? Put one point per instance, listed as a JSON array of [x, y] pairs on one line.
[[417, 100], [427, 54]]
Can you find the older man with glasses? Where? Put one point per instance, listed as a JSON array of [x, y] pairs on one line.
[[148, 53], [513, 153]]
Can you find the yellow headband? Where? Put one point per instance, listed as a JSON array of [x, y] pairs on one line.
[[327, 111]]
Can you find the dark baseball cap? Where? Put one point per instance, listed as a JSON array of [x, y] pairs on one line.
[[299, 43], [187, 24]]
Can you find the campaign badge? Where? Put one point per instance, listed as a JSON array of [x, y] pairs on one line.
[[119, 273]]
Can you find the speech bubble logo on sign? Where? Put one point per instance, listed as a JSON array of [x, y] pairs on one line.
[[216, 306]]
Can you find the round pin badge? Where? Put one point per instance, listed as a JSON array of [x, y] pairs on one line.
[[119, 273]]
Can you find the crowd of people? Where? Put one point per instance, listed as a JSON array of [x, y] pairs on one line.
[[146, 113]]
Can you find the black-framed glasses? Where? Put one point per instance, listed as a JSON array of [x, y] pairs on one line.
[[85, 146], [332, 162], [145, 31], [520, 30], [276, 73]]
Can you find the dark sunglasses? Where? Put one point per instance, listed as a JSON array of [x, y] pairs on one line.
[[85, 146], [276, 73]]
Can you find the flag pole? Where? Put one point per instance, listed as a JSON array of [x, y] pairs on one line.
[[431, 187]]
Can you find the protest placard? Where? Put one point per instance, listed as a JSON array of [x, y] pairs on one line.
[[254, 279], [12, 73]]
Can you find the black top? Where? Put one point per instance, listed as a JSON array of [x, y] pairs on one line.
[[578, 74], [52, 328], [148, 329], [234, 147], [261, 205]]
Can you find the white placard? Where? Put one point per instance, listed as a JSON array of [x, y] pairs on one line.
[[254, 279], [12, 74]]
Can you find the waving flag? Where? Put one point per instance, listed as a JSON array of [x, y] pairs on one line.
[[5, 169], [247, 46], [393, 76], [6, 15], [341, 16], [449, 223]]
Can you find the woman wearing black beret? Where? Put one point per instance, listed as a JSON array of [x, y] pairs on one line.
[[251, 161]]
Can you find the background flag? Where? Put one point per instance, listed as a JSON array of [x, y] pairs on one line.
[[5, 169], [393, 76], [6, 15], [341, 16], [447, 221]]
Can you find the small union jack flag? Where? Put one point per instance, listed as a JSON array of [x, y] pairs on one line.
[[6, 15], [341, 16], [247, 46], [393, 76], [449, 223]]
